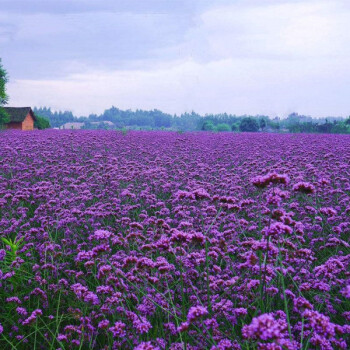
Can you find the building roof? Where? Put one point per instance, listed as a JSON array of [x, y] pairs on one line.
[[18, 114]]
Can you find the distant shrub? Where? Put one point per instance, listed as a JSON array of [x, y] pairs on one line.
[[262, 123], [235, 127], [208, 126], [223, 127], [249, 125], [41, 123]]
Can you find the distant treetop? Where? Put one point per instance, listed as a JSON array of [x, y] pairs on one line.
[[115, 118]]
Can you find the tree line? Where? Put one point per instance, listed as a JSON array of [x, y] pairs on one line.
[[158, 120]]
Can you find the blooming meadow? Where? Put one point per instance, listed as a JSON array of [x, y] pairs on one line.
[[156, 240]]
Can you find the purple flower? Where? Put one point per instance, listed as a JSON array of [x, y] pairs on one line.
[[146, 346], [84, 294], [2, 254], [32, 318], [21, 311], [101, 235], [346, 291], [266, 327], [277, 229], [122, 232], [196, 312], [62, 337], [304, 187], [103, 324], [15, 300], [271, 178], [118, 330]]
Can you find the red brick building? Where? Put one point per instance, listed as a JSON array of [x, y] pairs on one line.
[[21, 118]]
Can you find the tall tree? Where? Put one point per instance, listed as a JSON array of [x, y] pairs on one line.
[[249, 124], [4, 118], [262, 124], [41, 122]]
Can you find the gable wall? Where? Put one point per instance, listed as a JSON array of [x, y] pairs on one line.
[[28, 123]]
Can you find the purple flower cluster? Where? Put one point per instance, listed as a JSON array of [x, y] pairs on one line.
[[160, 240], [271, 178]]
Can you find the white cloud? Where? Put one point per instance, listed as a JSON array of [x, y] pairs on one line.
[[288, 29], [245, 58]]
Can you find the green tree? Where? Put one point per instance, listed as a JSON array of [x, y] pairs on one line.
[[208, 126], [262, 124], [41, 123], [223, 127], [249, 124], [4, 117], [325, 128], [235, 127], [275, 125]]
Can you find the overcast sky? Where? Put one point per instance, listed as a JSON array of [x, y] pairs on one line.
[[211, 56]]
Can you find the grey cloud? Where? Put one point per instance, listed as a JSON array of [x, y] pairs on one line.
[[244, 56], [81, 6], [49, 42]]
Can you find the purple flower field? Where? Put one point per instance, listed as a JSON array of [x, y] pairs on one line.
[[157, 240]]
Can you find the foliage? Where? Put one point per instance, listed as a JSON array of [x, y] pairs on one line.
[[235, 127], [41, 123], [249, 125], [262, 123], [336, 127], [3, 82], [223, 127], [56, 119], [14, 245], [4, 118], [208, 126]]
